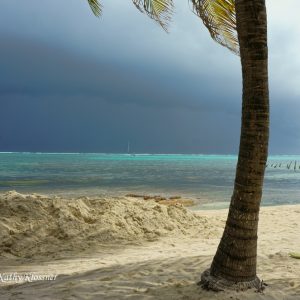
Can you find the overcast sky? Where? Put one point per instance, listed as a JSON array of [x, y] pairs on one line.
[[70, 82]]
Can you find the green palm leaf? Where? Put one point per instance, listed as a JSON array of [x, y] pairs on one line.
[[217, 15], [295, 255], [158, 10], [96, 7], [219, 18]]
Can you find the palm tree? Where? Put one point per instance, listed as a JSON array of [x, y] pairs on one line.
[[234, 264], [241, 26]]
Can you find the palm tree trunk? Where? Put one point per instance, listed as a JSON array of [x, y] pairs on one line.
[[235, 261]]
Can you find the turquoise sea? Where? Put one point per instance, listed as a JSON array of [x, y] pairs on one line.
[[206, 178]]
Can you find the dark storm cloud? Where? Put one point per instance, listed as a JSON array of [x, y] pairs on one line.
[[33, 69], [50, 98], [70, 82]]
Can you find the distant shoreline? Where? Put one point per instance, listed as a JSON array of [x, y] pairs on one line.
[[123, 153]]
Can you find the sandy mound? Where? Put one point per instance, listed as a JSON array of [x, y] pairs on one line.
[[32, 225], [166, 269]]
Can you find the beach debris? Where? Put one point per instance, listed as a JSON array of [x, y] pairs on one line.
[[295, 255], [184, 202], [172, 200], [262, 287], [134, 195], [155, 198]]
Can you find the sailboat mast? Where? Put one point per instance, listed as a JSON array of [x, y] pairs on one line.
[[128, 147]]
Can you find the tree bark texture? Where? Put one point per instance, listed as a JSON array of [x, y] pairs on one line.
[[236, 257]]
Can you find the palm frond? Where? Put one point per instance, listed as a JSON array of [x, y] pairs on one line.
[[159, 10], [96, 7], [220, 19]]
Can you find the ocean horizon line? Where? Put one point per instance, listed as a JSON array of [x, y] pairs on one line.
[[132, 154]]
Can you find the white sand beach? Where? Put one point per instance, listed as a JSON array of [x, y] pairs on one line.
[[127, 248]]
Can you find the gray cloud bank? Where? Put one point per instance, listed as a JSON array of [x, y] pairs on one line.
[[70, 82]]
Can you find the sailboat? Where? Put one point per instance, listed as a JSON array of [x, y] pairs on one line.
[[128, 149]]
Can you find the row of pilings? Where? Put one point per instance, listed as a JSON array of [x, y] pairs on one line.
[[291, 165]]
